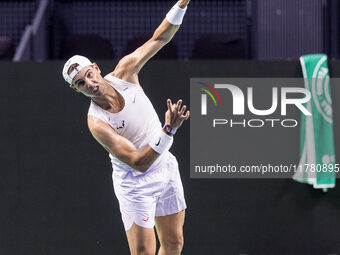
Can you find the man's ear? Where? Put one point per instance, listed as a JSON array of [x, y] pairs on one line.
[[74, 88], [95, 66]]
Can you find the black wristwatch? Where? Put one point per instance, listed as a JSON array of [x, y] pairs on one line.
[[169, 130]]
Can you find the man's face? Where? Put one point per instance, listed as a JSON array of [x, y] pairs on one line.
[[87, 81]]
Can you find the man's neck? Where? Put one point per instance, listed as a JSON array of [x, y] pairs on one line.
[[111, 100]]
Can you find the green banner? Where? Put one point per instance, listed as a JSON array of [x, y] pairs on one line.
[[317, 162]]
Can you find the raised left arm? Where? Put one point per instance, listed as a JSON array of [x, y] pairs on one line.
[[129, 66]]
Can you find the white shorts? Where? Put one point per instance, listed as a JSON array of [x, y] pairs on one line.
[[158, 192]]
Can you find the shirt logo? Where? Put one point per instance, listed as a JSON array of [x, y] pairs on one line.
[[146, 220], [122, 126], [158, 142]]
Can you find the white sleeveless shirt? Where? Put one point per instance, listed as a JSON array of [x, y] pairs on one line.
[[137, 121]]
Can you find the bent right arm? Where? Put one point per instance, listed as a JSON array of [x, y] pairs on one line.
[[123, 149], [120, 147]]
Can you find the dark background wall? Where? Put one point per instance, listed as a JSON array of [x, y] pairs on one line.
[[56, 191], [285, 28], [119, 21]]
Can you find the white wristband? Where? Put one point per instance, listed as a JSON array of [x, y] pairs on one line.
[[176, 14], [161, 142]]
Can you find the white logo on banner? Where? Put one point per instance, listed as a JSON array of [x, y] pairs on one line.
[[321, 92]]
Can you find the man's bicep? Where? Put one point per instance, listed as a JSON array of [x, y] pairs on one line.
[[114, 143], [145, 52], [131, 64]]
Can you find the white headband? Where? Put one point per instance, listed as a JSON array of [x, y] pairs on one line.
[[76, 59]]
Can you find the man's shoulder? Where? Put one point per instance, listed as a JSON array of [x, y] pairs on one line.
[[96, 125], [123, 73], [101, 131]]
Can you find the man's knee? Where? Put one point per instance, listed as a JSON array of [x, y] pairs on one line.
[[144, 250], [173, 244]]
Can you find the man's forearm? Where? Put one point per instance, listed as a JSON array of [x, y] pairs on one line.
[[144, 159], [167, 30]]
